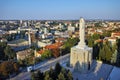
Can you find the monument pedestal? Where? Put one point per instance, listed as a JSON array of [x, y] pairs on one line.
[[81, 58]]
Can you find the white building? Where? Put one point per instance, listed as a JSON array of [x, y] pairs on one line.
[[71, 28], [12, 31], [43, 43]]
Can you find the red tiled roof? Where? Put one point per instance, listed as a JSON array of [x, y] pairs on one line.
[[53, 46]]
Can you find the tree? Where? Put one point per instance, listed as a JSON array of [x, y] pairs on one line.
[[56, 52], [69, 75], [52, 74], [47, 77], [9, 52], [33, 76], [59, 73], [98, 24], [90, 42], [61, 77], [101, 54], [46, 54], [95, 36], [39, 75], [58, 68], [96, 49], [70, 43], [108, 53], [114, 57], [2, 47], [63, 71], [118, 45], [7, 68], [16, 67]]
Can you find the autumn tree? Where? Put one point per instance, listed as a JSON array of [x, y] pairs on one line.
[[56, 52], [16, 67], [8, 67]]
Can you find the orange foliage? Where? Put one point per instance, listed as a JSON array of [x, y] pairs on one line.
[[55, 48], [56, 52]]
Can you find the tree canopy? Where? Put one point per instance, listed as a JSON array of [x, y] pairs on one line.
[[59, 73]]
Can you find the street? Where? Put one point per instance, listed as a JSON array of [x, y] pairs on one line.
[[43, 66]]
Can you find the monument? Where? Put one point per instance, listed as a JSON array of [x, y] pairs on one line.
[[81, 55]]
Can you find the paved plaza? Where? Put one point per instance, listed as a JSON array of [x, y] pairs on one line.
[[99, 71]]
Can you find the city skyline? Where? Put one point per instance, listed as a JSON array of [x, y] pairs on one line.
[[59, 10]]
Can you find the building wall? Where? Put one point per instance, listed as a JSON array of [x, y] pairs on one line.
[[43, 44]]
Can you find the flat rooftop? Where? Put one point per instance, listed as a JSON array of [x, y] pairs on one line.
[[17, 41]]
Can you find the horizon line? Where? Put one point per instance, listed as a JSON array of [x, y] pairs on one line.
[[57, 19]]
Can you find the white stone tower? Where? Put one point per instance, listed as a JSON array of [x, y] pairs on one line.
[[81, 55]]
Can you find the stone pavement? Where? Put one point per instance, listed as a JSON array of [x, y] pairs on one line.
[[98, 71]]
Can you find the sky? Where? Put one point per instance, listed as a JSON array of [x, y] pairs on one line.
[[59, 9]]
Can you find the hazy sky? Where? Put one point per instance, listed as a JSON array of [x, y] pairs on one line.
[[59, 9]]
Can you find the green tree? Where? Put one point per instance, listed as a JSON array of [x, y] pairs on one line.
[[9, 52], [69, 43], [33, 76], [114, 57], [39, 75], [47, 77], [96, 49], [61, 77], [58, 68], [3, 44], [52, 73], [101, 54], [2, 47], [46, 54], [108, 53], [95, 36], [118, 45], [90, 42], [69, 75], [63, 71], [98, 24]]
